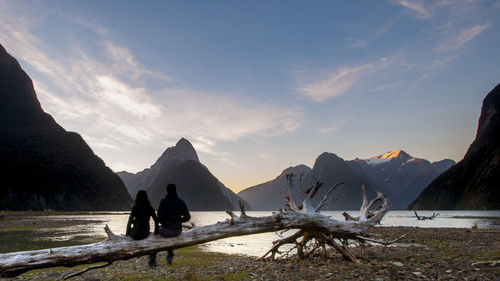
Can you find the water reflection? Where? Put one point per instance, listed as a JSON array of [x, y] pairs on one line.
[[92, 225]]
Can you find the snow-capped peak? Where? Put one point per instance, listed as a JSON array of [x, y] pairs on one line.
[[393, 154], [384, 158]]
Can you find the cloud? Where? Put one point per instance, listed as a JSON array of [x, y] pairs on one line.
[[225, 117], [415, 6], [357, 42], [372, 35], [125, 63], [132, 100], [264, 155], [104, 97], [330, 83], [459, 39], [333, 129], [101, 143], [205, 145]]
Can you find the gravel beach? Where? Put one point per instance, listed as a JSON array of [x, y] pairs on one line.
[[424, 254]]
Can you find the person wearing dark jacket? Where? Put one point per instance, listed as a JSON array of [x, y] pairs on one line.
[[172, 212], [138, 221]]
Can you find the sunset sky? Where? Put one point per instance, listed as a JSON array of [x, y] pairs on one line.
[[258, 86]]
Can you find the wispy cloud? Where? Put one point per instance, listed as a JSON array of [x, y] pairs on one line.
[[333, 129], [416, 6], [263, 155], [459, 39], [372, 34], [357, 42], [444, 36], [330, 83], [125, 63], [225, 117], [106, 101]]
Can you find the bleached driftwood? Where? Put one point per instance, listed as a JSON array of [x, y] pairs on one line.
[[306, 241], [486, 263], [311, 224], [366, 208], [423, 218]]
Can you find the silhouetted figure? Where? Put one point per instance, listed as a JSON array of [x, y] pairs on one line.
[[138, 221], [172, 212]]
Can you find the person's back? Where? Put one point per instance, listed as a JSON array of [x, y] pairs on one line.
[[172, 212], [138, 225], [138, 221]]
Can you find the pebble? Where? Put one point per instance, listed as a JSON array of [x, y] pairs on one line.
[[396, 263]]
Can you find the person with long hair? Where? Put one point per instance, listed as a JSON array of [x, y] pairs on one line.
[[138, 221]]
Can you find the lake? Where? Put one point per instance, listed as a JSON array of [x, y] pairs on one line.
[[91, 228]]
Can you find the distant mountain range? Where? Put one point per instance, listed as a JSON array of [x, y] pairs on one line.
[[42, 166], [195, 184], [474, 182], [399, 175]]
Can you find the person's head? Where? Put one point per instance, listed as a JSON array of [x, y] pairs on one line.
[[171, 189], [142, 197]]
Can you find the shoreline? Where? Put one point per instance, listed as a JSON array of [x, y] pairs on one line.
[[428, 254]]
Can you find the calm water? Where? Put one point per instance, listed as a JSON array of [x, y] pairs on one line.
[[256, 245]]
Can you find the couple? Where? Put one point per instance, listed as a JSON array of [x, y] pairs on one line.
[[172, 212]]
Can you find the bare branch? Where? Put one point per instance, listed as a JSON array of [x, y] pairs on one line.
[[86, 269], [342, 250], [421, 218], [325, 198], [289, 199], [111, 235], [242, 209], [385, 243], [278, 243], [486, 263]]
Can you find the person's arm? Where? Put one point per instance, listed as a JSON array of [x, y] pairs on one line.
[[155, 219], [130, 221], [161, 212], [186, 216]]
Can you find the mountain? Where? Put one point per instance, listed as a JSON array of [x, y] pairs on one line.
[[270, 195], [172, 156], [396, 173], [401, 176], [42, 166], [473, 183], [179, 164]]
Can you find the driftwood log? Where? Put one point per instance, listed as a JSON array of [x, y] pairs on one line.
[[314, 232], [424, 218]]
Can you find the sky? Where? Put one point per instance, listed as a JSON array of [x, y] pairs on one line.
[[259, 86]]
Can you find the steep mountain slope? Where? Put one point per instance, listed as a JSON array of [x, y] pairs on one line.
[[195, 184], [400, 176], [182, 151], [473, 183], [331, 169], [270, 195], [43, 166]]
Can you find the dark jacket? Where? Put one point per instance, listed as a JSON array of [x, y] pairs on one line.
[[138, 221], [172, 212]]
